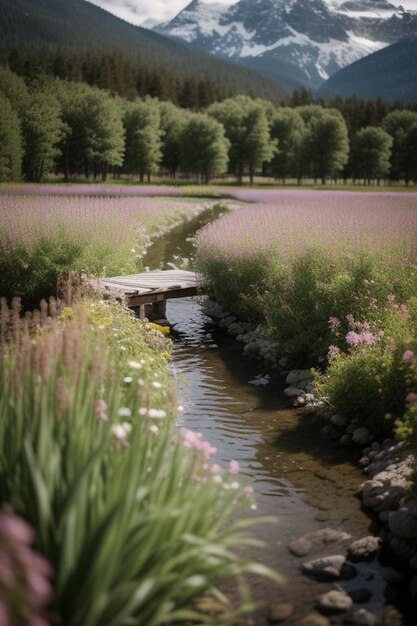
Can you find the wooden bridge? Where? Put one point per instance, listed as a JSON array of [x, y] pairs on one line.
[[148, 292]]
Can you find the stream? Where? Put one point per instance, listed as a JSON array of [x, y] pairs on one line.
[[305, 482]]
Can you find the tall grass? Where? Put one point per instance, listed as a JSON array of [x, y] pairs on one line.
[[291, 266], [136, 524], [43, 237]]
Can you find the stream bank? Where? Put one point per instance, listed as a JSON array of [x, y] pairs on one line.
[[309, 483]]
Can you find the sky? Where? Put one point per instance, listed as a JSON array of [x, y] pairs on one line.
[[139, 11]]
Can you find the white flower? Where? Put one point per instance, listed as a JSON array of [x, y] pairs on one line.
[[128, 379], [124, 411], [180, 408], [157, 413], [143, 411], [135, 365], [154, 429], [156, 384]]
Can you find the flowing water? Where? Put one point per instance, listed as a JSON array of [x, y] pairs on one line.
[[307, 483]]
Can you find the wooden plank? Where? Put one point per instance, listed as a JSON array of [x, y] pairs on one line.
[[152, 297], [151, 287]]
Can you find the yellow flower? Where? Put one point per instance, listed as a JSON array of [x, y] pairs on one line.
[[67, 313], [165, 330]]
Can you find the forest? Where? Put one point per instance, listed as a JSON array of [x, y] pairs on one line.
[[56, 127]]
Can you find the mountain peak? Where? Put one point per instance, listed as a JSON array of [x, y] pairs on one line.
[[292, 41]]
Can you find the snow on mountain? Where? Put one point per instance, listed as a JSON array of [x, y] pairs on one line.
[[293, 41]]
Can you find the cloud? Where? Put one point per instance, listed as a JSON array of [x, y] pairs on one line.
[[138, 11]]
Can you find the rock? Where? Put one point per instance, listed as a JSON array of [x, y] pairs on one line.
[[292, 392], [280, 612], [363, 549], [314, 619], [385, 490], [301, 546], [361, 617], [403, 548], [335, 602], [283, 362], [329, 432], [296, 376], [392, 577], [330, 568], [361, 436], [359, 596], [304, 545], [402, 523], [339, 420], [346, 440]]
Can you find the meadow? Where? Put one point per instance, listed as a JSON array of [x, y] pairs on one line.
[[332, 277], [42, 237]]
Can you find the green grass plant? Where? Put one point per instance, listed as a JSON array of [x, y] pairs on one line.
[[135, 520], [43, 237]]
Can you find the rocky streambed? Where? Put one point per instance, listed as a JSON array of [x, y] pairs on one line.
[[385, 491]]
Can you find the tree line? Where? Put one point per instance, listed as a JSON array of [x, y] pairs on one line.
[[50, 126]]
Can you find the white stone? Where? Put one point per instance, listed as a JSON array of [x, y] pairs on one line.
[[335, 602]]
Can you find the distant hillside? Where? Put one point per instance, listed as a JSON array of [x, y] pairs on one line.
[[390, 74], [76, 27]]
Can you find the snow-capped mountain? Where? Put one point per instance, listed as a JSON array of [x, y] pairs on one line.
[[293, 41]]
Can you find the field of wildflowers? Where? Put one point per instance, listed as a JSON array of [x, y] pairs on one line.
[[42, 237], [134, 517], [333, 278], [295, 262]]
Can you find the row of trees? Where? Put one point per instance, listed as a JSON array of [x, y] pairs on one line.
[[59, 127]]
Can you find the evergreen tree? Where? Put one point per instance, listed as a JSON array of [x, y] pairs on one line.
[[397, 124], [204, 147], [10, 142], [142, 123], [371, 152]]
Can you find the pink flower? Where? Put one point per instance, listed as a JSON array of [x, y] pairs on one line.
[[195, 441], [352, 338], [234, 468], [215, 469], [333, 353], [334, 322], [248, 491], [408, 356], [411, 397]]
